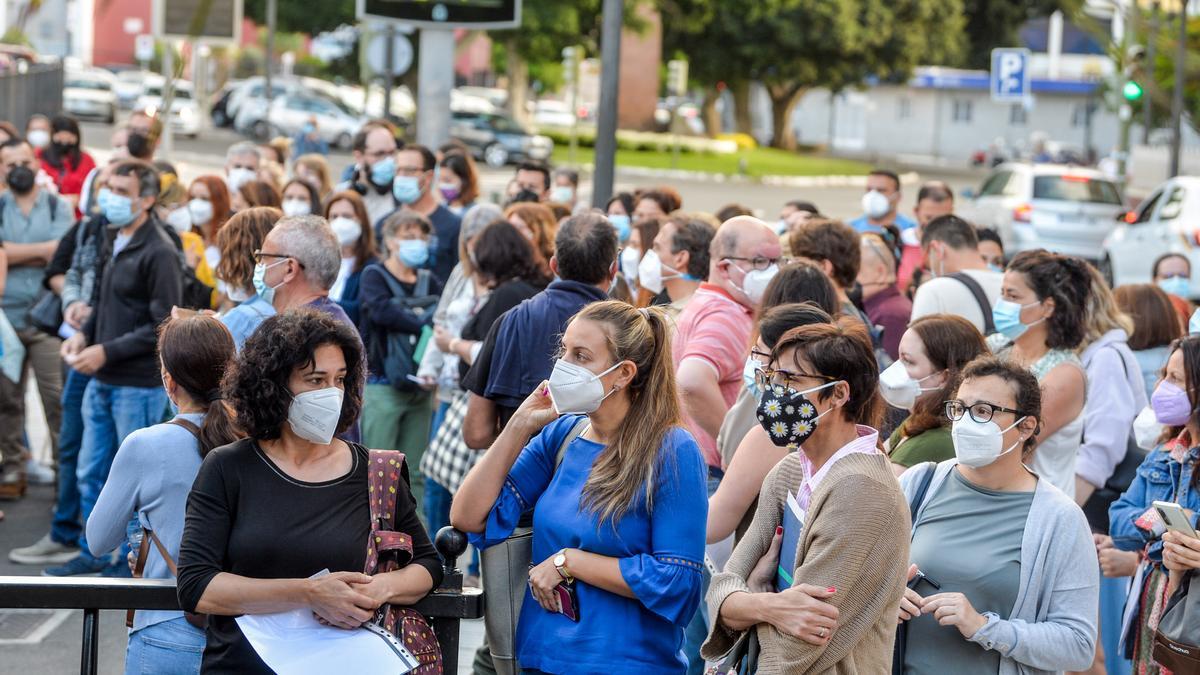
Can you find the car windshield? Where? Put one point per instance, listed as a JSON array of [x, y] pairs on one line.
[[156, 92], [97, 85], [504, 124], [1076, 189]]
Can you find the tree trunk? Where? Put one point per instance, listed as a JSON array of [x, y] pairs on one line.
[[709, 113], [741, 107], [518, 81], [783, 104]]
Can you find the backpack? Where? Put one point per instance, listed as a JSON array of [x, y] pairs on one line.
[[399, 351], [985, 307]]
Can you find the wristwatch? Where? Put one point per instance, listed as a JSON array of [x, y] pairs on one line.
[[560, 563]]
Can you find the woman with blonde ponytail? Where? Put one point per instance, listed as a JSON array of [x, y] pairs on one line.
[[617, 490]]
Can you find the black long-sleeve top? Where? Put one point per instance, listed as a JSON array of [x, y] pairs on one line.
[[247, 517]]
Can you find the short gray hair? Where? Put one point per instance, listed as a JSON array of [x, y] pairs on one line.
[[311, 241], [478, 217], [242, 148]]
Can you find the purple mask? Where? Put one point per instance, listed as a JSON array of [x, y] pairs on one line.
[[1171, 404]]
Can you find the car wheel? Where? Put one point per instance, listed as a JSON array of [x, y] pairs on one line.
[[495, 155], [344, 141], [262, 130], [1106, 270]]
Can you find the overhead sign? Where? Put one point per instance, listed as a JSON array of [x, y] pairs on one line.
[[446, 14], [1010, 75], [402, 54], [143, 47], [213, 21]]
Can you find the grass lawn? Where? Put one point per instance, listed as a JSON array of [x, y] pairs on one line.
[[758, 162]]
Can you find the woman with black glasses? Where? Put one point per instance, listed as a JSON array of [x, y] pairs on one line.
[[1004, 573]]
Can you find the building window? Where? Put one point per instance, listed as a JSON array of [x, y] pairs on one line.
[[1017, 115], [904, 108], [962, 111]]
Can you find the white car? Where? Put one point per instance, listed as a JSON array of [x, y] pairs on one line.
[[289, 113], [185, 114], [129, 87], [1168, 221], [551, 113], [1064, 209], [89, 93]]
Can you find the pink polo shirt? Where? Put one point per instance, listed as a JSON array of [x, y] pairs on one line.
[[867, 443]]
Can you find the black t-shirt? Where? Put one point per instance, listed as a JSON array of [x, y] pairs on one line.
[[487, 320], [247, 517]]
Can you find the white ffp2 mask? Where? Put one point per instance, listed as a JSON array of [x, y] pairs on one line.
[[977, 444], [575, 390], [314, 415]]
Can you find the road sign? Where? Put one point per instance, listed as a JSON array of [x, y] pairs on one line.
[[677, 77], [449, 14], [402, 54], [143, 47], [1010, 75], [184, 19]]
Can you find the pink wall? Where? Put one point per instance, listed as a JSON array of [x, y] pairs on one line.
[[111, 44]]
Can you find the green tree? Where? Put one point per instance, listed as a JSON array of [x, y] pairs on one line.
[[304, 17], [994, 23]]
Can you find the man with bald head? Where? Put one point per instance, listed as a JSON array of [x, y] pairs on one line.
[[714, 329]]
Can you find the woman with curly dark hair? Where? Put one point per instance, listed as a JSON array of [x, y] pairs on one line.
[[268, 512], [1041, 322]]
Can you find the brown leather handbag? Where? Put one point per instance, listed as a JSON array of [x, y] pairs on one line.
[[388, 551], [198, 620]]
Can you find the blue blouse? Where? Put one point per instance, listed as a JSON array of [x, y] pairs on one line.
[[245, 318], [661, 556]]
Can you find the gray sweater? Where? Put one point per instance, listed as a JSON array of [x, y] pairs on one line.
[[1052, 626], [150, 479]]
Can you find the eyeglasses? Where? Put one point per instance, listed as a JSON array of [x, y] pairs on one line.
[[762, 355], [777, 377], [981, 411], [259, 255], [757, 262]]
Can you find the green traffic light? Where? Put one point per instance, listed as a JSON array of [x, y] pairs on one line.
[[1132, 91]]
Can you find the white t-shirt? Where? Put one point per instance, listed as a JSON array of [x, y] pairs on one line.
[[344, 272], [944, 295]]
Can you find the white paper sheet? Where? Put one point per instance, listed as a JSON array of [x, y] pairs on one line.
[[293, 643]]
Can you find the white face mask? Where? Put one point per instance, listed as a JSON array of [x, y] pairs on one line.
[[238, 295], [899, 389], [575, 390], [38, 138], [296, 207], [979, 444], [630, 257], [649, 274], [201, 210], [180, 220], [1147, 429], [346, 229], [239, 176], [875, 204], [754, 284], [314, 415]]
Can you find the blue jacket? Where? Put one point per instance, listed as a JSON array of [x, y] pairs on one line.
[[1159, 478]]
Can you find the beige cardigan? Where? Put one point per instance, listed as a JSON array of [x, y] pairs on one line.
[[855, 538]]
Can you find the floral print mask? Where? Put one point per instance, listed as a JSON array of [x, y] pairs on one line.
[[788, 415]]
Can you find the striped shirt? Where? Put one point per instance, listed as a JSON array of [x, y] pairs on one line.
[[715, 329]]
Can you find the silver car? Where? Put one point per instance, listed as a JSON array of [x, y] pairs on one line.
[[1064, 209]]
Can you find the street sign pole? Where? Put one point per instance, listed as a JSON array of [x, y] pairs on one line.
[[435, 72], [1177, 94], [389, 65], [606, 123], [167, 136]]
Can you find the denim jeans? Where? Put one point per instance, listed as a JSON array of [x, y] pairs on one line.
[[110, 413], [172, 647], [1112, 604], [697, 629], [66, 527]]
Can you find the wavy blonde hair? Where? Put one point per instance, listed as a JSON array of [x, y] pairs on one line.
[[629, 466], [1103, 313]]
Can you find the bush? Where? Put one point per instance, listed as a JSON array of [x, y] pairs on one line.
[[643, 141]]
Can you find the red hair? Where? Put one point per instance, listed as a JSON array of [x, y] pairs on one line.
[[218, 194]]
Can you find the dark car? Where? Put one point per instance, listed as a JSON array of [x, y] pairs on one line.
[[498, 140]]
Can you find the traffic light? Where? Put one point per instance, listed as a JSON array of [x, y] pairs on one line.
[[1132, 91]]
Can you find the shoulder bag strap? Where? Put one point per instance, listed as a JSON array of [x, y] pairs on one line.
[[422, 288], [139, 567], [989, 325], [574, 433], [393, 285], [918, 497], [187, 424]]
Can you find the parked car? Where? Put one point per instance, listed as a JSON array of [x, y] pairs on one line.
[[88, 93], [1064, 209], [249, 89], [551, 113], [498, 140], [185, 114], [220, 107], [130, 85], [1168, 221], [289, 113]]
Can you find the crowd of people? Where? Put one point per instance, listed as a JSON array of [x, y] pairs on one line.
[[805, 445]]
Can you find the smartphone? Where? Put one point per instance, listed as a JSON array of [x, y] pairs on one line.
[[1175, 518], [569, 600]]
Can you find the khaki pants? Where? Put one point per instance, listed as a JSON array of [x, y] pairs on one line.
[[41, 353]]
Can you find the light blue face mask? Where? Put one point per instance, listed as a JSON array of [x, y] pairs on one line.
[[118, 210], [1007, 317], [406, 189], [752, 364], [413, 252], [1194, 323], [1178, 286], [621, 224], [383, 171], [264, 291]]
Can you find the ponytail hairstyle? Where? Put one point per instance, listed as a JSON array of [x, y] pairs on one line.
[[629, 466], [196, 351]]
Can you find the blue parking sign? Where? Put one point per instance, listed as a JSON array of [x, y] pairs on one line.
[[1010, 75]]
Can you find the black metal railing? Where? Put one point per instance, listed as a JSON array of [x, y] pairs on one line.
[[445, 607]]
